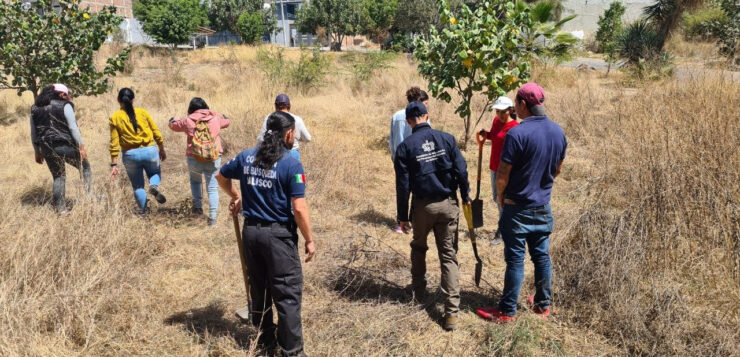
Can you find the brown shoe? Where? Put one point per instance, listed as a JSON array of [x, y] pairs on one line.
[[450, 323]]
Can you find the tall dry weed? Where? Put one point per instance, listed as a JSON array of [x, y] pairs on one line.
[[654, 259]]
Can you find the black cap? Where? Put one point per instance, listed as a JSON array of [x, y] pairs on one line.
[[282, 99], [415, 110]]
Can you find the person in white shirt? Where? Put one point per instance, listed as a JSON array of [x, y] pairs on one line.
[[282, 104], [400, 129]]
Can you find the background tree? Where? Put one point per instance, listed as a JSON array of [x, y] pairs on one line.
[[415, 17], [250, 27], [225, 14], [729, 40], [339, 18], [665, 15], [40, 46], [379, 16], [171, 21], [477, 53], [610, 29]]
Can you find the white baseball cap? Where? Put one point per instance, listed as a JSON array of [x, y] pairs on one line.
[[61, 88], [503, 103]]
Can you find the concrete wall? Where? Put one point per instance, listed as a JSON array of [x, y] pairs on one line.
[[588, 12], [133, 33]]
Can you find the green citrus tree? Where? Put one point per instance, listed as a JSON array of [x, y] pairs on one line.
[[171, 21], [340, 18], [40, 45], [379, 16], [250, 27], [477, 53]]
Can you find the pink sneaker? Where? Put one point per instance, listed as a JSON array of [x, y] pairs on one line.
[[492, 314], [398, 229], [543, 313]]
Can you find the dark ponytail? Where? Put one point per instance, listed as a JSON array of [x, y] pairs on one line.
[[45, 97], [271, 149], [125, 97]]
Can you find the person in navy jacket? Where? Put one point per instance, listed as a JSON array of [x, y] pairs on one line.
[[429, 164]]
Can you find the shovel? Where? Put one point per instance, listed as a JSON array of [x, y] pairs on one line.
[[244, 313], [477, 204], [467, 211]]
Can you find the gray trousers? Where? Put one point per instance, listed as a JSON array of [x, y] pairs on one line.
[[56, 156], [441, 217]]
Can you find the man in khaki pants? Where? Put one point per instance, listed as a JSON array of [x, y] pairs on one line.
[[429, 164]]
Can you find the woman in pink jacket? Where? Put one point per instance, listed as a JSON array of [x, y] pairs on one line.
[[202, 126]]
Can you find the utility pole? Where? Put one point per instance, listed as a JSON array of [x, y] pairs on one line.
[[282, 14]]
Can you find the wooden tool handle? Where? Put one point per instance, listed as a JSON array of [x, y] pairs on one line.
[[240, 244]]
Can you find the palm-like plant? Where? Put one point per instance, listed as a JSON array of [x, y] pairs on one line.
[[545, 39], [639, 41], [665, 15]]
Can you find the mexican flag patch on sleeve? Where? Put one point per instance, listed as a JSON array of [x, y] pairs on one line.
[[300, 178]]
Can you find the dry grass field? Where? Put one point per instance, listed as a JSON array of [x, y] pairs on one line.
[[646, 248]]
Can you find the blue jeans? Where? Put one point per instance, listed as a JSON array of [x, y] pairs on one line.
[[197, 170], [138, 162], [530, 226]]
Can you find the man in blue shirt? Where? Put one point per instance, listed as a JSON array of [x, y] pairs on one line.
[[400, 129], [532, 157], [272, 200], [429, 165]]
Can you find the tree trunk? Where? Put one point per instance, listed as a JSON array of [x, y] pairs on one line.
[[466, 124], [336, 43]]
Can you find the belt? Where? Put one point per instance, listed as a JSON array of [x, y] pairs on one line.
[[262, 223], [509, 202], [436, 198]]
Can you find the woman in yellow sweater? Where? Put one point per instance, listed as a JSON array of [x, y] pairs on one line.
[[133, 134]]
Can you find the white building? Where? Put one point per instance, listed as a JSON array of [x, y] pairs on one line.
[[588, 12], [287, 33]]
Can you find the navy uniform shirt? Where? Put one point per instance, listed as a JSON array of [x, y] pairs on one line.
[[534, 149], [266, 193], [429, 164]]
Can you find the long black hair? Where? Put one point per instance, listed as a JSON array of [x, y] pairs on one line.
[[125, 97], [45, 97], [271, 149], [197, 103]]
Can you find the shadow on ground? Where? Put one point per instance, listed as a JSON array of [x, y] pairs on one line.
[[36, 196], [210, 321], [366, 285], [372, 216]]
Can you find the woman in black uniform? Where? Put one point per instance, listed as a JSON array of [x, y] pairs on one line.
[[272, 200]]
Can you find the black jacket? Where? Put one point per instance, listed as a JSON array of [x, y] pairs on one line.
[[51, 125], [429, 164]]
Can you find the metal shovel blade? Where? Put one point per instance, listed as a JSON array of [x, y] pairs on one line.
[[478, 272], [243, 314], [477, 208]]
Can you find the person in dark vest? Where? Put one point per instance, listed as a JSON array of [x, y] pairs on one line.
[[273, 202], [429, 164], [56, 138]]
